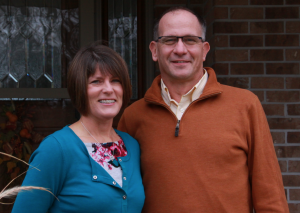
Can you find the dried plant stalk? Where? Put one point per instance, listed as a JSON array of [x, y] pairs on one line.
[[15, 190], [2, 153]]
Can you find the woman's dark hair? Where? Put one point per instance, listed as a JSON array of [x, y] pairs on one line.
[[85, 64]]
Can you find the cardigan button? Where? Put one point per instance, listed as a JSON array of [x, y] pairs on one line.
[[114, 182], [95, 177], [120, 160], [124, 197], [124, 178]]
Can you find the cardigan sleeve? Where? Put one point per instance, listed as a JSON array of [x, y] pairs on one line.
[[48, 158], [265, 177]]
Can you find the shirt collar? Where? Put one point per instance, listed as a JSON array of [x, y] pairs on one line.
[[194, 93]]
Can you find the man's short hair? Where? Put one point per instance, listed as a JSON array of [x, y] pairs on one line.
[[85, 64], [176, 8]]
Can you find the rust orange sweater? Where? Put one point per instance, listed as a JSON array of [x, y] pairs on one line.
[[223, 159]]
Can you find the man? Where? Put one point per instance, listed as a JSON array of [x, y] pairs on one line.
[[205, 147]]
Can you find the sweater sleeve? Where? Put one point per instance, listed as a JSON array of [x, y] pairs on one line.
[[265, 177], [48, 158]]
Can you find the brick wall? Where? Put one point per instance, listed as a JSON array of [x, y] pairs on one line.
[[255, 46]]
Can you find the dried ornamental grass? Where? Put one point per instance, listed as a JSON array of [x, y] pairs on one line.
[[12, 192]]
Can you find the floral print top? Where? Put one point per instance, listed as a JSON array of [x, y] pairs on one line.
[[106, 154]]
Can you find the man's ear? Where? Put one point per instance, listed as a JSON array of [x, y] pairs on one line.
[[153, 49], [206, 48]]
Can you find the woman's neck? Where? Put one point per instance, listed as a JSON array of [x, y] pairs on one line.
[[92, 130]]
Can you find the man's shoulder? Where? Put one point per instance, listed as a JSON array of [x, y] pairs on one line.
[[238, 93]]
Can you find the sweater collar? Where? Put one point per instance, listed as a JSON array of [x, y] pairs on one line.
[[211, 88]]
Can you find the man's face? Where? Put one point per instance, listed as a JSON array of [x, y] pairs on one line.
[[180, 62]]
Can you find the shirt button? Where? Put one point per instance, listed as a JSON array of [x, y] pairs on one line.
[[95, 177], [114, 182], [124, 178], [124, 197], [181, 110], [120, 160]]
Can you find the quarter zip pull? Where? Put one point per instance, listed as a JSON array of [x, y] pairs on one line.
[[177, 128]]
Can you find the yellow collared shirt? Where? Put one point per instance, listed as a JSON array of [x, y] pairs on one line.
[[179, 108]]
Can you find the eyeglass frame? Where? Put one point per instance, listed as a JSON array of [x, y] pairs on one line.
[[178, 37]]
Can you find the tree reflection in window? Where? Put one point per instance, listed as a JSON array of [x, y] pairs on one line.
[[38, 39]]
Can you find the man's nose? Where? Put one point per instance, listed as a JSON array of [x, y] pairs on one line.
[[180, 48]]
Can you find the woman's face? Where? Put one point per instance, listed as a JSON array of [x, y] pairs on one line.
[[105, 96]]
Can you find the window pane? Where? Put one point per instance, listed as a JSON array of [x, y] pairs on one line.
[[35, 43], [122, 23]]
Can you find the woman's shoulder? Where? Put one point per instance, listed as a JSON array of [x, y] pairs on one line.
[[58, 140]]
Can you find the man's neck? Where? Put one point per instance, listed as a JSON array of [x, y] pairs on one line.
[[179, 88]]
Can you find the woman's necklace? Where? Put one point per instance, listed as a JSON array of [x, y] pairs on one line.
[[112, 157]]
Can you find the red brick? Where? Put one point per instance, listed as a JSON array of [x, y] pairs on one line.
[[284, 123], [266, 2], [235, 82], [158, 2], [266, 27], [221, 68], [291, 2], [221, 13], [247, 68], [293, 109], [231, 55], [293, 137], [260, 95], [283, 165], [282, 40], [293, 26], [221, 41], [294, 194], [283, 68], [287, 151], [292, 83], [246, 41], [294, 166], [294, 207], [266, 55], [267, 83], [230, 27], [274, 109], [292, 54], [231, 2], [282, 12], [278, 137], [283, 96], [291, 180], [246, 13]]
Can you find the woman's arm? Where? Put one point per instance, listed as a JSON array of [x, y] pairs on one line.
[[49, 159]]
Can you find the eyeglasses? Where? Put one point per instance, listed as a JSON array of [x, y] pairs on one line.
[[187, 40]]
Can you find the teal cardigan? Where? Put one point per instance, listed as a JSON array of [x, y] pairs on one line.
[[79, 183]]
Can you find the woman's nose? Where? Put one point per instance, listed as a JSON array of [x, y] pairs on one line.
[[107, 87]]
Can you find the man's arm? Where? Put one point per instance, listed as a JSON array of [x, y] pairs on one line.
[[265, 177]]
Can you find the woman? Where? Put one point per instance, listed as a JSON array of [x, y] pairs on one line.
[[89, 166]]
